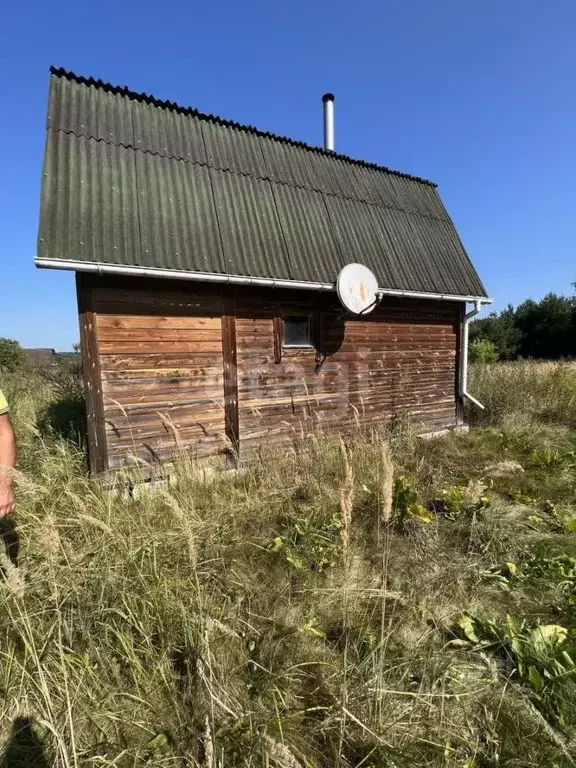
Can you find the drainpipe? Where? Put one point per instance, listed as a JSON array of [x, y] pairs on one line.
[[464, 357], [210, 277]]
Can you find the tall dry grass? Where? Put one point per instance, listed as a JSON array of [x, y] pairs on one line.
[[544, 392], [295, 613]]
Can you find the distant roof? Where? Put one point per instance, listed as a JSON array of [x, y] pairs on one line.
[[40, 355], [133, 181]]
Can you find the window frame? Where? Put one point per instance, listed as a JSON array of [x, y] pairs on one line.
[[310, 343]]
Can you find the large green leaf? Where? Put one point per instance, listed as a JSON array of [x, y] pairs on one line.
[[548, 636], [466, 623], [420, 513], [535, 680]]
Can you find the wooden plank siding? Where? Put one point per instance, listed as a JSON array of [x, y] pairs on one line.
[[230, 376], [187, 365], [399, 359], [91, 373], [160, 355]]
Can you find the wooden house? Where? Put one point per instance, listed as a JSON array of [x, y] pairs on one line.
[[206, 254]]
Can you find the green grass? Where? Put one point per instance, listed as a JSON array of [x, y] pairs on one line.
[[300, 612]]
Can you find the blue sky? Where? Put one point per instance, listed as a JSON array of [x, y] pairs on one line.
[[477, 95]]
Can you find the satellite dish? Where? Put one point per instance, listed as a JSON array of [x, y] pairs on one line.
[[357, 289]]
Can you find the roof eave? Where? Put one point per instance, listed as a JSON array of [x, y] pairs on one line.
[[230, 279]]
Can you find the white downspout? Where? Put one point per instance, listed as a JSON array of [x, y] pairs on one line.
[[464, 356]]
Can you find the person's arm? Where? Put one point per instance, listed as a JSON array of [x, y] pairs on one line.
[[7, 462]]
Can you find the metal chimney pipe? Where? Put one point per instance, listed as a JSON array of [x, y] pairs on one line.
[[328, 101]]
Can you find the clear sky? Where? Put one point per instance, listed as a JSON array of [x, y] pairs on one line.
[[478, 95]]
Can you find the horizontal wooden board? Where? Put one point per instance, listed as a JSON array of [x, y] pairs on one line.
[[197, 408], [352, 379], [246, 327], [388, 356], [140, 379], [157, 363], [362, 348], [146, 322], [331, 368], [159, 347], [382, 327], [185, 435], [186, 432], [165, 309], [151, 455], [387, 338], [297, 372], [154, 336], [159, 400], [194, 297]]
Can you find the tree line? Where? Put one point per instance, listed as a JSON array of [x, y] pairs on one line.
[[543, 329]]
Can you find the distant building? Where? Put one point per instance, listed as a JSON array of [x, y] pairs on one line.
[[41, 357]]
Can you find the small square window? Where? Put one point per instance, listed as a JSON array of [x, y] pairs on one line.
[[297, 331]]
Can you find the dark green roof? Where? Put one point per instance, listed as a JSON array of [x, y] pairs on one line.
[[133, 181]]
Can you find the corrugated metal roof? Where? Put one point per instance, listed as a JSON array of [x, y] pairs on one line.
[[310, 238], [252, 238], [89, 204], [131, 180], [166, 133], [178, 220]]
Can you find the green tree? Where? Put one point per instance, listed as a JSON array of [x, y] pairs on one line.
[[499, 328], [12, 356], [482, 351], [543, 329], [547, 327]]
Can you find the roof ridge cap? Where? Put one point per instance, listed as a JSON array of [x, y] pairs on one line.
[[193, 112]]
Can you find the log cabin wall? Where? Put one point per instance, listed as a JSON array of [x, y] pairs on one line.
[[172, 365], [161, 369], [400, 359]]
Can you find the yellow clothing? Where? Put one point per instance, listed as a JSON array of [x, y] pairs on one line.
[[3, 404]]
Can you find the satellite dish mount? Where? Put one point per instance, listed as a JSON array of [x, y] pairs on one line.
[[357, 289]]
